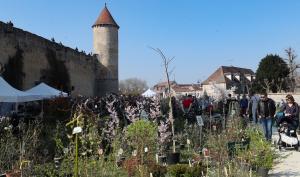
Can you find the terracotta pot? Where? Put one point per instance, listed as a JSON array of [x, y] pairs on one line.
[[13, 174]]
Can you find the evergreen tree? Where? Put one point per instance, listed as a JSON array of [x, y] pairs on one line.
[[271, 75]]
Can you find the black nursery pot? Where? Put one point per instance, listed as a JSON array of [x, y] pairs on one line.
[[162, 159], [245, 166], [173, 158], [262, 172]]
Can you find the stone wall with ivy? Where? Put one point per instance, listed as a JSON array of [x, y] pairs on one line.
[[13, 69], [30, 59]]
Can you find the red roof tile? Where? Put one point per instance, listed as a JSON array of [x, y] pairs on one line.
[[105, 19]]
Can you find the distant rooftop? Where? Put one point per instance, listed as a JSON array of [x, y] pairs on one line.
[[219, 75]]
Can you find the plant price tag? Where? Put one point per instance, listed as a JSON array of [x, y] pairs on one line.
[[188, 141], [199, 121], [77, 130]]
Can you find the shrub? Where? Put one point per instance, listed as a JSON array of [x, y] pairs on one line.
[[260, 152], [46, 170], [157, 170], [130, 165], [177, 170], [183, 170], [140, 135]]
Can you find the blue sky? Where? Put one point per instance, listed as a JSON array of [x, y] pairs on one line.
[[201, 34]]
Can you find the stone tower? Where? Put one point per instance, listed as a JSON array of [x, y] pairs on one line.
[[105, 31]]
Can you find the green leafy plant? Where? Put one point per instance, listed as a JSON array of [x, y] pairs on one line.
[[142, 134], [9, 147], [184, 170], [261, 152], [46, 170], [177, 170], [142, 137]]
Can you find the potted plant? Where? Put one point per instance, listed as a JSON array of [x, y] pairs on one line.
[[142, 137], [13, 173], [262, 153], [173, 158], [166, 63], [264, 161]]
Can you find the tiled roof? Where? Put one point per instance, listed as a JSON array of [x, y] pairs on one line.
[[187, 88], [232, 69], [219, 75], [161, 84], [105, 19]]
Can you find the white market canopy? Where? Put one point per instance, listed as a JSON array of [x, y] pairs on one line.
[[10, 94], [149, 93], [44, 91]]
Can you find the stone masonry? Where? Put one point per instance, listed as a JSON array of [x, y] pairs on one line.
[[89, 75]]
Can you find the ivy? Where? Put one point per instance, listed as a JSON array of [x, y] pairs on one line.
[[56, 75], [13, 70]]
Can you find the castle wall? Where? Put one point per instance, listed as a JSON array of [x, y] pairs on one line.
[[106, 47], [82, 68]]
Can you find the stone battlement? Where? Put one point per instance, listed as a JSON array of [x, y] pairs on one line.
[[9, 30], [29, 59], [40, 55]]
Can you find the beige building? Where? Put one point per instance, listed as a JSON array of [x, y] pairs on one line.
[[162, 88], [228, 79], [187, 89], [178, 90]]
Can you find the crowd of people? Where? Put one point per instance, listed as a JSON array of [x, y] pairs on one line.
[[260, 109]]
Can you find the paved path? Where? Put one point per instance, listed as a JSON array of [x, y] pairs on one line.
[[289, 166]]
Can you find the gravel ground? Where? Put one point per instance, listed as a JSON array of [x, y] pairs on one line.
[[289, 166]]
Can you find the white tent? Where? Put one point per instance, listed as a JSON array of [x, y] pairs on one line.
[[44, 91], [10, 94], [149, 93]]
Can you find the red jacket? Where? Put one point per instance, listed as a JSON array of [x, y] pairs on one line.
[[187, 102]]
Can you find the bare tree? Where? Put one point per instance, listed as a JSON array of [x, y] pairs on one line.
[[166, 65], [266, 85], [293, 66], [280, 84], [220, 93], [132, 86]]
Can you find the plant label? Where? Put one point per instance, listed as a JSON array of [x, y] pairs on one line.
[[188, 141], [199, 121], [77, 130], [156, 158]]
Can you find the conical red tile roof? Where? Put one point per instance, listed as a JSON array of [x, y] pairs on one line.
[[105, 19]]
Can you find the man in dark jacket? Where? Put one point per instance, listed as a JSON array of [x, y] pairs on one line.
[[266, 111]]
